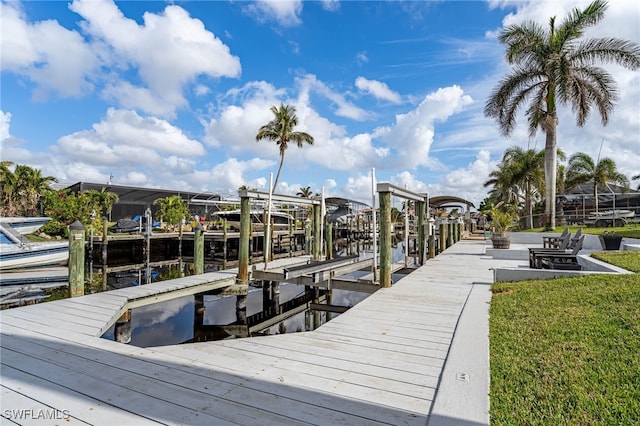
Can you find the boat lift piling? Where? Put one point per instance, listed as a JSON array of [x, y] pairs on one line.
[[385, 190], [76, 259]]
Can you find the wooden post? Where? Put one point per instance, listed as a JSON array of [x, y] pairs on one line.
[[76, 259], [421, 234], [198, 249], [292, 240], [266, 240], [225, 246], [329, 239], [317, 244], [307, 238], [105, 242], [385, 239], [443, 237], [243, 244], [122, 328], [449, 234], [432, 246]]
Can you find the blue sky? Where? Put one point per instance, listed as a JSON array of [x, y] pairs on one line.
[[172, 94]]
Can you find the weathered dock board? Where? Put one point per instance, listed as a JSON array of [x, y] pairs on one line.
[[381, 362]]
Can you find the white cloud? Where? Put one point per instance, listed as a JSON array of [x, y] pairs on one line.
[[331, 5], [309, 83], [130, 146], [285, 13], [230, 174], [413, 132], [362, 58], [378, 90], [168, 51], [5, 124], [56, 59]]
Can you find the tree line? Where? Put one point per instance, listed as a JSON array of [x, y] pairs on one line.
[[519, 180]]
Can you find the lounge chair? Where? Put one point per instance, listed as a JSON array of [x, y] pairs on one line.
[[563, 246], [557, 257], [554, 241]]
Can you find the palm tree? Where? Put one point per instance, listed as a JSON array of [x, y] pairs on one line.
[[280, 131], [173, 209], [7, 188], [504, 191], [22, 189], [555, 66], [407, 206], [103, 199], [527, 174], [305, 192], [635, 178], [583, 169]]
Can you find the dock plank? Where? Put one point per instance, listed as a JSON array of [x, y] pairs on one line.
[[381, 362]]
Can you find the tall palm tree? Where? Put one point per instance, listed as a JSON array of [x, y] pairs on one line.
[[305, 192], [556, 66], [527, 174], [583, 169], [502, 188], [280, 131]]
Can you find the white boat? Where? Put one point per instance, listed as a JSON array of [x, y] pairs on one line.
[[280, 220], [18, 252], [25, 225], [609, 218]]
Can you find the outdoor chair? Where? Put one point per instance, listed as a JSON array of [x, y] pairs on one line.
[[562, 246], [557, 259], [554, 241]]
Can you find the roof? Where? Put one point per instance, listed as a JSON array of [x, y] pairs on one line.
[[141, 195], [337, 201], [443, 200]]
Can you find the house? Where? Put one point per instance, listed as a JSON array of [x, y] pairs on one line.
[[135, 200], [578, 203]]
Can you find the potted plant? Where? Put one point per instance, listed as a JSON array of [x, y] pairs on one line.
[[610, 241], [501, 222]]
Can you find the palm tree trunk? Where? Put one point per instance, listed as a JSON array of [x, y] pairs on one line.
[[275, 183], [550, 170], [595, 194], [529, 206]]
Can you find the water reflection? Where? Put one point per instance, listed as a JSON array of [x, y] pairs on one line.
[[268, 308], [280, 308]]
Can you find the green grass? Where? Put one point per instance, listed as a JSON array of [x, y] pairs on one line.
[[567, 351], [629, 260], [631, 230]]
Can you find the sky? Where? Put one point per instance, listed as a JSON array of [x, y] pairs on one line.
[[172, 94]]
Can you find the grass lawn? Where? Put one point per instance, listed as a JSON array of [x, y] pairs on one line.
[[631, 230], [567, 351], [629, 259]]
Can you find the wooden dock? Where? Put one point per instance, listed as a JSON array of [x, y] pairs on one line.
[[381, 362]]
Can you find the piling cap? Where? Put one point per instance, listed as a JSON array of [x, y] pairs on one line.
[[76, 226]]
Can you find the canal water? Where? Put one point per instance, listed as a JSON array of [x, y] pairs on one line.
[[270, 308]]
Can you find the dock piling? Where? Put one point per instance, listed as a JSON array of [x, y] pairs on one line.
[[198, 249], [76, 259]]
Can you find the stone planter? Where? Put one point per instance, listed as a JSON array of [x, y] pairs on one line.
[[501, 241], [610, 242]]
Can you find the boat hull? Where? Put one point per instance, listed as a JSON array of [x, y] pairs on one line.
[[25, 225], [14, 257]]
